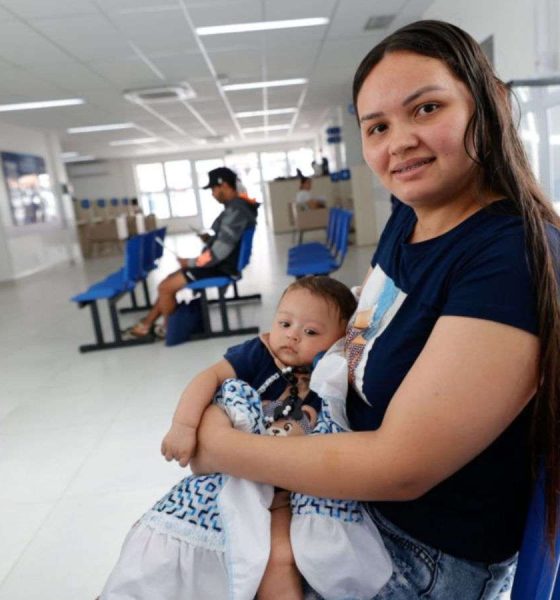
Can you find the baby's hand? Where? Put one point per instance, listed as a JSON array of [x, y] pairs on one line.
[[179, 443]]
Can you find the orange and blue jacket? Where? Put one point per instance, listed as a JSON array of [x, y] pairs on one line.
[[223, 248]]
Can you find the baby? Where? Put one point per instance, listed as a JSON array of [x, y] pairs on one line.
[[312, 315]]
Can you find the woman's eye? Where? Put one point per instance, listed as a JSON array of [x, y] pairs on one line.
[[428, 108], [377, 129]]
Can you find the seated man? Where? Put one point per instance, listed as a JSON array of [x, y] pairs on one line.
[[219, 255]]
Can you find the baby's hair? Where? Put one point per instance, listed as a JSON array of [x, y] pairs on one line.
[[334, 292]]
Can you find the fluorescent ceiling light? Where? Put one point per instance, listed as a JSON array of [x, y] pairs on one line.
[[261, 26], [41, 104], [68, 155], [108, 127], [79, 158], [263, 84], [144, 140], [267, 128], [262, 113]]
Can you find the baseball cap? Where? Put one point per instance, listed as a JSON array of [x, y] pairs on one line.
[[219, 176]]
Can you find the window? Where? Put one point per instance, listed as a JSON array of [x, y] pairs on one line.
[[166, 189], [274, 165], [247, 168], [301, 159], [554, 147]]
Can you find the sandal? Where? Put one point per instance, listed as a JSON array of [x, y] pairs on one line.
[[140, 330], [160, 331]]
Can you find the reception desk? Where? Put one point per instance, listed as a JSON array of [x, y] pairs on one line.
[[361, 194], [283, 192]]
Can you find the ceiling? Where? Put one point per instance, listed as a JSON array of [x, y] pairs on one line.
[[97, 49]]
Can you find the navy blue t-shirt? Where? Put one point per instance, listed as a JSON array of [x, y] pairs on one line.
[[478, 269], [253, 363]]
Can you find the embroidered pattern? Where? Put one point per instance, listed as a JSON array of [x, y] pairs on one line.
[[194, 499], [242, 404], [348, 511]]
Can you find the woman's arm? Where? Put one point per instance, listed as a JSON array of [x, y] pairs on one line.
[[469, 383], [180, 441]]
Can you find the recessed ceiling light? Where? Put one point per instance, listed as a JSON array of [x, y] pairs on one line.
[[41, 104], [83, 158], [263, 84], [262, 113], [108, 127], [267, 128], [261, 26], [144, 140]]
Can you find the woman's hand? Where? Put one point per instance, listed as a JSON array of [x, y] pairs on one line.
[[215, 425]]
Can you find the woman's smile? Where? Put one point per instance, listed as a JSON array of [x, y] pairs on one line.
[[411, 168]]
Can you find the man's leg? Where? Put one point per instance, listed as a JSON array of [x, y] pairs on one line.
[[167, 289], [165, 303]]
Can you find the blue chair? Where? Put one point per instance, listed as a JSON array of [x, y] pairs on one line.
[[112, 288], [537, 570], [318, 249], [222, 283], [151, 253], [300, 266]]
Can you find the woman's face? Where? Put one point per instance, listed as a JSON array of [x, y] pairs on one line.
[[413, 115]]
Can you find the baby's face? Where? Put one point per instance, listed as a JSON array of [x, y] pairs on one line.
[[303, 326]]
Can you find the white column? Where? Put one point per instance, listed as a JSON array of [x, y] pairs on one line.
[[547, 36]]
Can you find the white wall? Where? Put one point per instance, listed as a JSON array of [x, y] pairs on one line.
[[31, 248], [102, 179], [351, 139], [512, 23], [115, 177]]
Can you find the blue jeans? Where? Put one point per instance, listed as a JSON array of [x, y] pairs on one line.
[[420, 571]]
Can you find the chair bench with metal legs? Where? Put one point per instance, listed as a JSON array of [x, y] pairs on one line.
[[222, 283], [112, 289]]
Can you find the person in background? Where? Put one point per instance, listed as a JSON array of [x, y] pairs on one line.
[[454, 349], [219, 255], [134, 208], [304, 198]]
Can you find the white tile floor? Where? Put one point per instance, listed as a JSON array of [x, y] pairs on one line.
[[80, 434]]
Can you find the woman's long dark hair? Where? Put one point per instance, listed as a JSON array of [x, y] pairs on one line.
[[505, 169]]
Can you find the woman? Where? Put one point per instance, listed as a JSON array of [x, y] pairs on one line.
[[453, 352], [304, 199]]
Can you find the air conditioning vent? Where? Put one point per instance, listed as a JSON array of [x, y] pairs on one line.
[[379, 22], [160, 95]]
